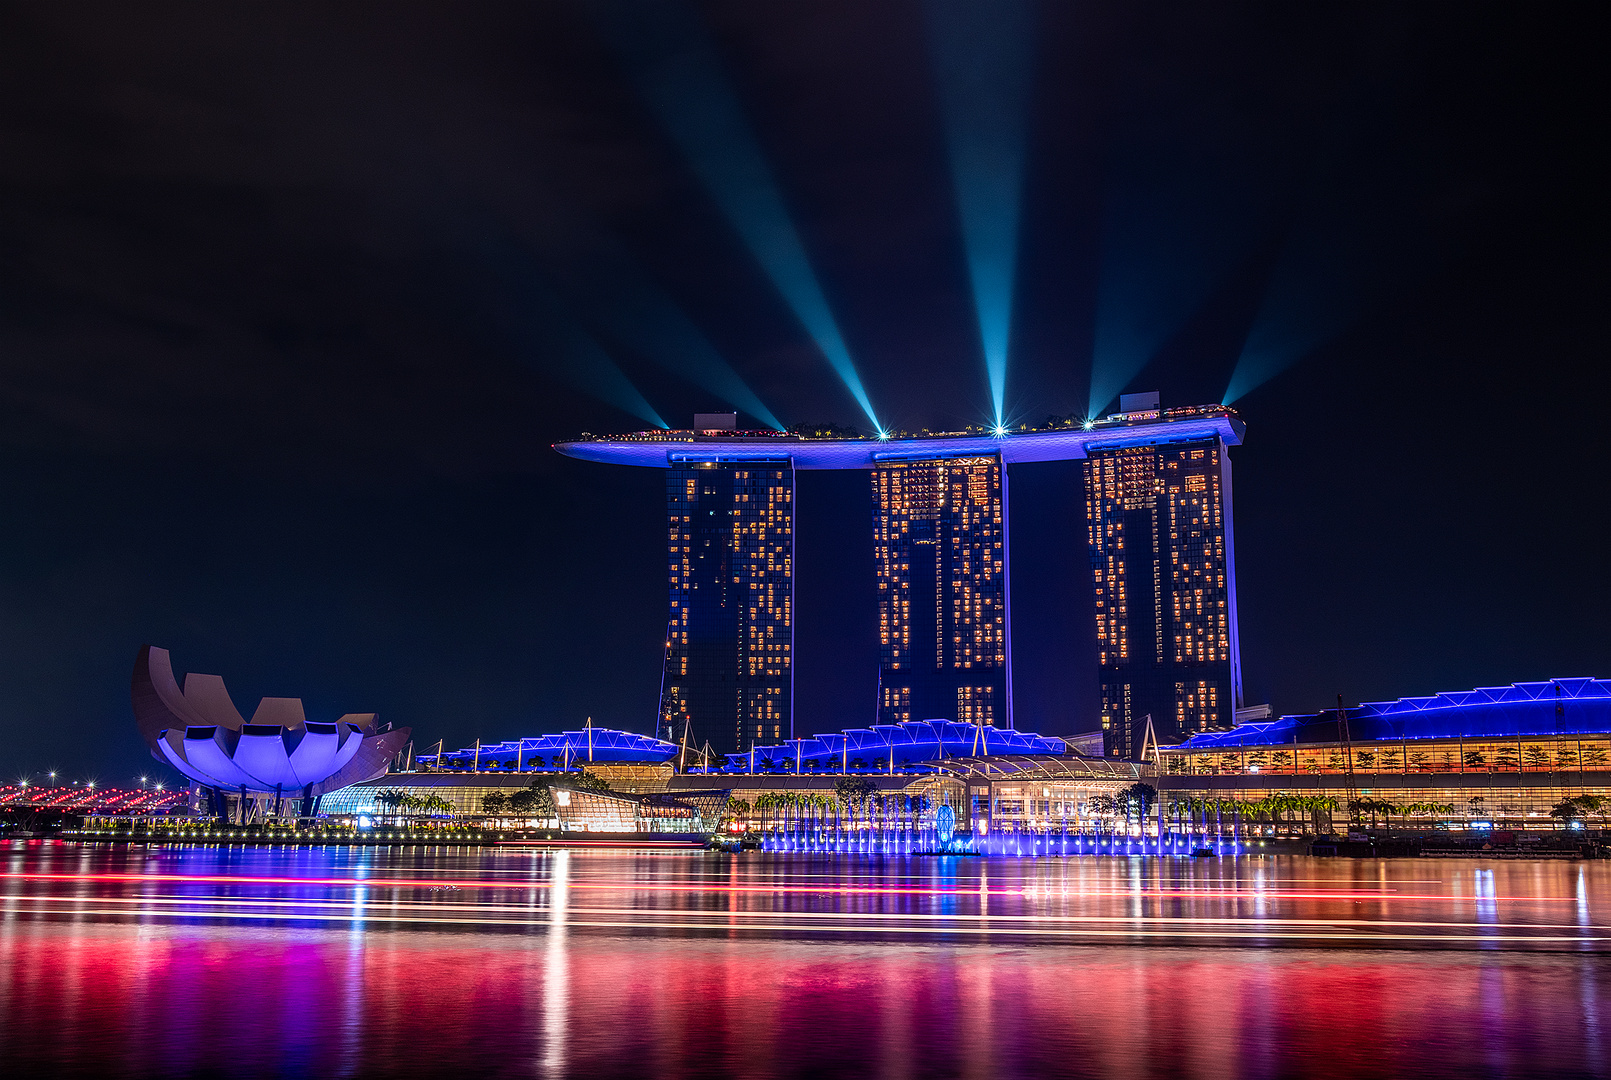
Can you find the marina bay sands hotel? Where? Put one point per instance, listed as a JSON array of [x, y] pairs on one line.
[[1158, 539]]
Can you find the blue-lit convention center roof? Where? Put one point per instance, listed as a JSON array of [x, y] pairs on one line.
[[1556, 707], [885, 748], [911, 746], [666, 449], [567, 749]]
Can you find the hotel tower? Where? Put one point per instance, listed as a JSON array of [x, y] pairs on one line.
[[1158, 543], [940, 552], [729, 675], [1158, 521]]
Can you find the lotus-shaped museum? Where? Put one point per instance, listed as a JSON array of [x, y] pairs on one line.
[[199, 731]]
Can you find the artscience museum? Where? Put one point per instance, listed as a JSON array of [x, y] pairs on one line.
[[251, 767]]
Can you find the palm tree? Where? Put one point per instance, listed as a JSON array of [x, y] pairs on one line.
[[1137, 799], [853, 790]]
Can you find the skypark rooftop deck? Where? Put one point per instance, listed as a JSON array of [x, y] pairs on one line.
[[664, 449]]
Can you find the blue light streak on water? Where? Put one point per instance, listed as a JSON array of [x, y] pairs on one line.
[[674, 63], [982, 56]]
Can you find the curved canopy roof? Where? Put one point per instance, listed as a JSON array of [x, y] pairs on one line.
[[561, 750], [1556, 707], [885, 746], [664, 449]]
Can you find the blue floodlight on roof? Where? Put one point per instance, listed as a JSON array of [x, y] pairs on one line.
[[907, 746], [1556, 707], [566, 748]]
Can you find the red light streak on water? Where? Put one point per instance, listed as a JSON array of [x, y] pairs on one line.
[[772, 890]]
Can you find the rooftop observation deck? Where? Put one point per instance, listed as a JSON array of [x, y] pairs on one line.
[[1062, 441]]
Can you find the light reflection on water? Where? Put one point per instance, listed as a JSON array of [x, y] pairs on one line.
[[133, 961]]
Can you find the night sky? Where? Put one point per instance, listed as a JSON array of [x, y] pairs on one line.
[[294, 300]]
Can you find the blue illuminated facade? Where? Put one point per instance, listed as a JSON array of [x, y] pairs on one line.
[[907, 747], [565, 750], [887, 748], [1556, 707]]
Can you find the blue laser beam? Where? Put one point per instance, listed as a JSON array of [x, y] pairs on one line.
[[1359, 244], [534, 318], [675, 66], [1306, 305], [1361, 235], [593, 371], [1184, 208], [611, 292], [606, 289], [982, 56]]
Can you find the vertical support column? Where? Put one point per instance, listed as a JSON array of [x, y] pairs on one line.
[[1230, 575], [794, 571], [1006, 590]]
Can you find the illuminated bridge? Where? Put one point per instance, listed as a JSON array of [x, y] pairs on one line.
[[88, 800]]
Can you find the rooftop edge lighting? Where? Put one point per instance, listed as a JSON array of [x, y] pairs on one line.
[[1060, 441]]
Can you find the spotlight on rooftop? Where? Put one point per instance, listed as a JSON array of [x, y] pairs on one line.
[[999, 431]]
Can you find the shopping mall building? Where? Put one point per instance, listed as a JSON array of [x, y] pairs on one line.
[[1500, 757], [992, 778]]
